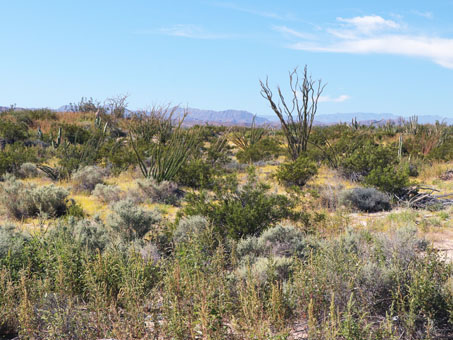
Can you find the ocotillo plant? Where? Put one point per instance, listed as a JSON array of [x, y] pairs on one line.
[[168, 150], [243, 139]]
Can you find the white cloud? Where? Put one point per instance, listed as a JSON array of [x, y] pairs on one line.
[[373, 34], [369, 24], [339, 99], [438, 50]]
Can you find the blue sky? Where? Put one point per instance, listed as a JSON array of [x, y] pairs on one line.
[[376, 56]]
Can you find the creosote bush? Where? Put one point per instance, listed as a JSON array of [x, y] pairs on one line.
[[366, 199], [296, 172], [238, 211], [389, 179]]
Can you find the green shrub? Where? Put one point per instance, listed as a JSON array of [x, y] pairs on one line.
[[265, 149], [389, 179], [75, 134], [86, 178], [130, 221], [240, 211], [366, 156], [296, 172], [196, 174], [14, 156], [13, 131], [366, 199]]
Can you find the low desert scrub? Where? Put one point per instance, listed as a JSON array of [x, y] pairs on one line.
[[163, 192], [130, 221], [272, 254], [28, 170], [107, 193], [378, 275], [86, 179], [237, 211], [27, 200], [190, 228], [366, 199]]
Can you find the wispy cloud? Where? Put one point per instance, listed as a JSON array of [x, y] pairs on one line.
[[374, 34], [339, 99], [369, 24], [294, 33], [253, 11], [427, 15], [186, 31]]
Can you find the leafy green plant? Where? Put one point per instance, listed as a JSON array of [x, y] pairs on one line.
[[196, 174], [265, 149], [296, 172], [13, 156], [389, 179], [240, 211]]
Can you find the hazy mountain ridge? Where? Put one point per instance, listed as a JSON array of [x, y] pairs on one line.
[[243, 117]]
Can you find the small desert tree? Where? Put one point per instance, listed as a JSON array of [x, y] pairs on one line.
[[296, 117], [117, 105]]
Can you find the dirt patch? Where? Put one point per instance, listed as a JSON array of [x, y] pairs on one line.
[[443, 241]]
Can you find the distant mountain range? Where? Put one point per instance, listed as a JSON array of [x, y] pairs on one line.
[[241, 117], [369, 118]]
